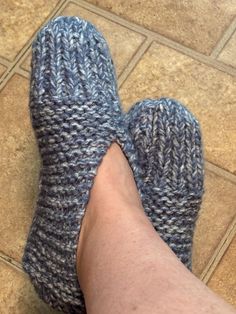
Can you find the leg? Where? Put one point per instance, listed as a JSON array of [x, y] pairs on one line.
[[123, 265]]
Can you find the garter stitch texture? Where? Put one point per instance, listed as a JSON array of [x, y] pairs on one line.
[[76, 116], [167, 138]]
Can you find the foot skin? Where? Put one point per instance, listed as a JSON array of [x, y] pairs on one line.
[[123, 265], [114, 181], [167, 138], [114, 188], [76, 117], [113, 248]]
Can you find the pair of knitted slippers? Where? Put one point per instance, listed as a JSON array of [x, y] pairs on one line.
[[76, 115]]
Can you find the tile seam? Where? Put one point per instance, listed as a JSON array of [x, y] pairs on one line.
[[157, 37], [219, 252], [24, 73], [10, 261], [216, 169], [5, 62], [228, 33], [122, 78], [134, 61], [125, 75], [205, 275], [6, 78], [3, 77], [220, 171], [131, 26], [109, 16], [19, 58]]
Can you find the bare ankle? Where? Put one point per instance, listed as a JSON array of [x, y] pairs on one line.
[[114, 188], [114, 183]]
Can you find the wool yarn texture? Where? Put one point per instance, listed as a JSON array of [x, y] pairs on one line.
[[167, 139], [76, 116]]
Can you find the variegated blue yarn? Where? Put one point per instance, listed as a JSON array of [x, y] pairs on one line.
[[167, 139], [76, 117]]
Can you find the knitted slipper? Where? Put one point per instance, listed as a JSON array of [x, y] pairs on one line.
[[168, 142], [76, 117]]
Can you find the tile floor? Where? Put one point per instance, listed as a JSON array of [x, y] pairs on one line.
[[160, 48]]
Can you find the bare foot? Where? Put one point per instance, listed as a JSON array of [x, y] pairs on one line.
[[123, 265], [114, 188], [114, 180]]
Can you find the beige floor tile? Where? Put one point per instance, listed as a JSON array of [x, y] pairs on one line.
[[217, 212], [19, 166], [19, 20], [196, 24], [17, 295], [2, 69], [210, 94], [223, 280], [122, 42], [227, 55]]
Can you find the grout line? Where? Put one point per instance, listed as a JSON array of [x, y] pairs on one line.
[[133, 62], [224, 39], [220, 171], [11, 262], [219, 252], [110, 16], [23, 73], [139, 29], [19, 58], [8, 75], [2, 78], [122, 78], [5, 62], [23, 58], [7, 65], [157, 37], [150, 36]]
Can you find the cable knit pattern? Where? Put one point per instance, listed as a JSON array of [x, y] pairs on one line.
[[167, 138], [76, 116]]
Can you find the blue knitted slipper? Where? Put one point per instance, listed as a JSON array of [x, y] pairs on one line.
[[76, 117], [168, 142]]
